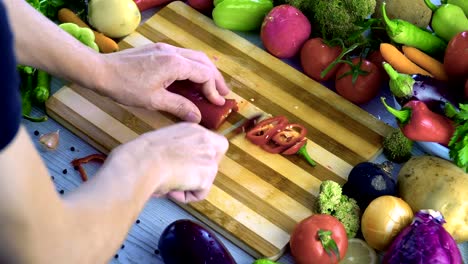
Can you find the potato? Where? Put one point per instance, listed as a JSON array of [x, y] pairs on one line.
[[414, 11], [427, 182], [284, 30]]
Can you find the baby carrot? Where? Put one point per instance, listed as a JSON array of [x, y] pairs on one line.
[[105, 44], [399, 61], [433, 66]]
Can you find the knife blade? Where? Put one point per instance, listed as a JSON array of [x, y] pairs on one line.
[[242, 125]]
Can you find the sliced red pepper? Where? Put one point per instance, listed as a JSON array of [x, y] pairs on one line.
[[285, 139], [266, 129], [79, 162], [295, 148]]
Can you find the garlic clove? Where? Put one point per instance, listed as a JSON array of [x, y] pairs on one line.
[[50, 140]]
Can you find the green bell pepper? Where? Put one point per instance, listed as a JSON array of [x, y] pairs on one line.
[[447, 20], [241, 15]]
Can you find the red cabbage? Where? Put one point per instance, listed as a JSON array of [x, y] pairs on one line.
[[424, 241]]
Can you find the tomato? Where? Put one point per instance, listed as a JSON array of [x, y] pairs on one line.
[[316, 56], [307, 247], [456, 56], [376, 58], [367, 82]]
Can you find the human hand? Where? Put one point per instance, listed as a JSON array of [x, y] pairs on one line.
[[180, 161], [139, 77]]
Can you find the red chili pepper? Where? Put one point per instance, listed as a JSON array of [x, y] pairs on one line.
[[78, 162], [418, 123], [265, 129], [147, 4], [285, 138]]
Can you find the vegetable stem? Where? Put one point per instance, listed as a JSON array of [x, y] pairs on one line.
[[391, 25], [401, 85], [329, 245], [339, 59], [303, 153], [403, 115], [430, 5]]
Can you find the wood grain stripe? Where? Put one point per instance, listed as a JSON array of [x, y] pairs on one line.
[[319, 126], [232, 229]]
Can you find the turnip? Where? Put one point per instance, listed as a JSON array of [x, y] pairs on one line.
[[284, 31]]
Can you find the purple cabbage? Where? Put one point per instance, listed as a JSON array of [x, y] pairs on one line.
[[424, 241]]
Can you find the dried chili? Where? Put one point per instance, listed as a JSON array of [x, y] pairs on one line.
[[77, 163]]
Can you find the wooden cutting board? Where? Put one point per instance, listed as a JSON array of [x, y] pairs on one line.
[[257, 197]]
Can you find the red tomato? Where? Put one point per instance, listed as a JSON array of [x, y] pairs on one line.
[[366, 86], [306, 246], [316, 56], [376, 58], [456, 56]]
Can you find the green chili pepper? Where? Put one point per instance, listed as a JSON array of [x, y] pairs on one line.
[[241, 15], [42, 90], [84, 35], [461, 3], [406, 33], [447, 20], [27, 75]]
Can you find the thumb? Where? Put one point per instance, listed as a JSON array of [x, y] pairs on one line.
[[176, 105]]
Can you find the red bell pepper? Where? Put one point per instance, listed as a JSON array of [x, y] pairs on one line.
[[265, 129], [418, 123]]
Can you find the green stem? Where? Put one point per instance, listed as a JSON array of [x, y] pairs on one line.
[[392, 26], [338, 59], [430, 5], [401, 85], [329, 245], [303, 153], [403, 115], [35, 119]]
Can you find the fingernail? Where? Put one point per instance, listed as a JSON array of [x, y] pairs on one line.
[[192, 117]]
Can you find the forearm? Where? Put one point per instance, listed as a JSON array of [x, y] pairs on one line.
[[42, 44], [87, 226]]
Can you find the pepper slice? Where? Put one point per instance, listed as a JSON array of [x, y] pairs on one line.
[[286, 138], [266, 129]]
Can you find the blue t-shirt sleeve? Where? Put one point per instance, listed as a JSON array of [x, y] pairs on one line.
[[10, 102]]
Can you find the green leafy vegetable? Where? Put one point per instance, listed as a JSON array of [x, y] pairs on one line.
[[458, 145]]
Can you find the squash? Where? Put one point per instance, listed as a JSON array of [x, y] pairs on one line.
[[427, 182]]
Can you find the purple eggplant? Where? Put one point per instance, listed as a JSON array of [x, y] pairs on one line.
[[185, 241], [434, 93]]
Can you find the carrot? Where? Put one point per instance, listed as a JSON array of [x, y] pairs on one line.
[[433, 66], [105, 44], [399, 61]]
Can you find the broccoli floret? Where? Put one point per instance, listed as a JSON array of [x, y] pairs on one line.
[[338, 18], [397, 147], [331, 201]]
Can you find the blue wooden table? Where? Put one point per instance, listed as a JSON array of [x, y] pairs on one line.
[[140, 246]]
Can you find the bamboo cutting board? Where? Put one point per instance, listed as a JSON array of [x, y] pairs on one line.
[[257, 197]]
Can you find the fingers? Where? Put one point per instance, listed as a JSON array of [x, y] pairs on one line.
[[176, 105]]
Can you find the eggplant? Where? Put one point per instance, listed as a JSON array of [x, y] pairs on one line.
[[434, 93], [212, 116], [368, 180], [185, 241]]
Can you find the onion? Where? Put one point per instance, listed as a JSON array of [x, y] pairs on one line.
[[383, 219]]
